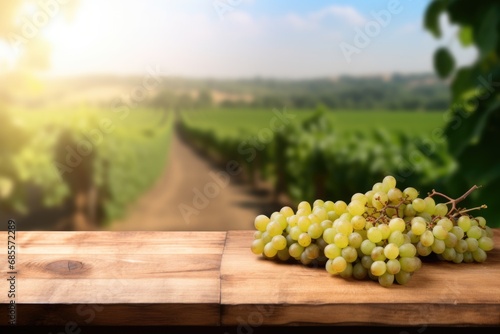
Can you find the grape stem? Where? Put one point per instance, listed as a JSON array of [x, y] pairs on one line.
[[454, 202]]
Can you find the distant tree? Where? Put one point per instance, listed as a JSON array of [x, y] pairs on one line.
[[474, 116]]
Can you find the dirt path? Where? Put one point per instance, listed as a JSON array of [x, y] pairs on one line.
[[232, 206]]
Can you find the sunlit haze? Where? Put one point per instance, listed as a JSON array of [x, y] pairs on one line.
[[206, 38]]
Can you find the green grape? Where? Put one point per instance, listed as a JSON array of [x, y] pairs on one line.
[[269, 250], [366, 261], [410, 264], [397, 224], [458, 232], [413, 237], [479, 255], [340, 207], [378, 268], [395, 195], [369, 197], [329, 269], [423, 250], [377, 187], [315, 231], [329, 206], [418, 226], [341, 240], [393, 266], [488, 231], [359, 272], [346, 216], [320, 213], [441, 209], [386, 231], [321, 243], [329, 235], [379, 200], [261, 222], [474, 232], [283, 255], [403, 277], [430, 205], [292, 220], [356, 208], [389, 182], [257, 235], [287, 211], [332, 251], [274, 228], [427, 238], [355, 239], [391, 251], [304, 223], [464, 223], [359, 197], [347, 272], [378, 254], [439, 232], [409, 211], [326, 224], [481, 221], [339, 264], [461, 246], [344, 227], [279, 242], [438, 246], [451, 240], [386, 279], [397, 238], [295, 250], [358, 222], [474, 222], [304, 239], [374, 235], [407, 250], [367, 247], [289, 240], [459, 257], [304, 259], [485, 243], [281, 220], [410, 193], [472, 244], [312, 251], [468, 258], [302, 212], [449, 254], [295, 232], [266, 237], [314, 219], [418, 204], [318, 203], [446, 223], [349, 254], [258, 246], [332, 215], [306, 206]]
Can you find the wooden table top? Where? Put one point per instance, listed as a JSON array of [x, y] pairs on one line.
[[212, 279]]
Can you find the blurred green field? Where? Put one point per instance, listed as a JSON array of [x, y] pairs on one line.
[[230, 122]]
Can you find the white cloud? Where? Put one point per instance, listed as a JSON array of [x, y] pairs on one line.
[[347, 13]]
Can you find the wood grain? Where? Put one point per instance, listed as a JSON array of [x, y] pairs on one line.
[[212, 279], [107, 278], [254, 290]]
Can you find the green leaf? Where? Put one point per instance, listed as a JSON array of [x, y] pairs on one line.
[[431, 17], [487, 35], [465, 35], [444, 63]]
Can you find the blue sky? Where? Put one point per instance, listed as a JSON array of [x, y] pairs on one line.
[[246, 38]]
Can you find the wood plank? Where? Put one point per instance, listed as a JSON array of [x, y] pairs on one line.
[[261, 292], [133, 278]]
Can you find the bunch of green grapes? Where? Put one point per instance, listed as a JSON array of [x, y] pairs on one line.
[[380, 235]]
